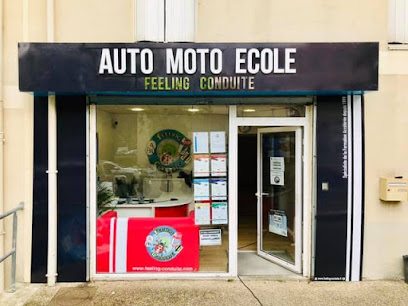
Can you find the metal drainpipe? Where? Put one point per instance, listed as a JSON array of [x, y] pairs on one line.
[[52, 167], [1, 149], [52, 192]]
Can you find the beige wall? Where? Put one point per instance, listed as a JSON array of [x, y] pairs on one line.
[[386, 224], [291, 21], [18, 120], [226, 21], [94, 21]]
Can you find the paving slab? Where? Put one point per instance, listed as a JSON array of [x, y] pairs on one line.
[[330, 293], [243, 291]]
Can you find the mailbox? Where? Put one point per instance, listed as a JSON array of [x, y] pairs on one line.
[[393, 189]]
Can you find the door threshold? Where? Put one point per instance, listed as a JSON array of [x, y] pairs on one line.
[[251, 264], [283, 278]]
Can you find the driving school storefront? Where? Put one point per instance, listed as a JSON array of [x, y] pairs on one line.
[[184, 160]]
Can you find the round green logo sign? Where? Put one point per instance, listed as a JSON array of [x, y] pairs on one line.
[[169, 149]]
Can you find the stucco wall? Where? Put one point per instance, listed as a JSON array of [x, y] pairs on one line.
[[292, 21], [18, 122], [386, 224], [94, 21]]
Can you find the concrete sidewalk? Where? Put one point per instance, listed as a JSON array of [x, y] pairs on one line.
[[249, 291]]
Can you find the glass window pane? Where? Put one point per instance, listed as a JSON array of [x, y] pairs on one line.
[[162, 188], [279, 188]]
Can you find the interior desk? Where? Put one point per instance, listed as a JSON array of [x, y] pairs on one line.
[[161, 207]]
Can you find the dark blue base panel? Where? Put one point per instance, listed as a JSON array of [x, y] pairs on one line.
[[71, 189], [40, 192], [331, 212], [71, 148]]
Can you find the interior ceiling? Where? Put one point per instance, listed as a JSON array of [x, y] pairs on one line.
[[188, 101], [174, 106], [184, 109], [167, 109]]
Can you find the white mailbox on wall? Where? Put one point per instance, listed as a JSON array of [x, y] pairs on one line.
[[393, 189]]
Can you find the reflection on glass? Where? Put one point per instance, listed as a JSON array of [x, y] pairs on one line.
[[147, 202], [278, 204]]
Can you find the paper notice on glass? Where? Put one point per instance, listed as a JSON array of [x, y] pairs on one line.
[[277, 178], [201, 189], [201, 165], [200, 142], [277, 163], [219, 213], [219, 165], [217, 143], [278, 223], [210, 237], [218, 189], [202, 213]]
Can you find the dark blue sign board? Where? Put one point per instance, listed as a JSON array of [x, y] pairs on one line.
[[198, 69], [332, 205]]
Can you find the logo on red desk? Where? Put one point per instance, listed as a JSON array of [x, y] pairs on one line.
[[163, 243]]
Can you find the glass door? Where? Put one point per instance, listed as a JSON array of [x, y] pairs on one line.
[[280, 196]]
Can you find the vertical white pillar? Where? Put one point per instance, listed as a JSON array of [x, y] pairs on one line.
[[52, 167], [92, 189], [233, 191], [357, 188], [52, 192]]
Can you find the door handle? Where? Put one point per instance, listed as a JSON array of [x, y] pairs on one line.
[[261, 194]]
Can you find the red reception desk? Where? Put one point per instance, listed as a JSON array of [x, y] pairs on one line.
[[167, 244]]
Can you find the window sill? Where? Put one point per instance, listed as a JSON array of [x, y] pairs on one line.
[[398, 47]]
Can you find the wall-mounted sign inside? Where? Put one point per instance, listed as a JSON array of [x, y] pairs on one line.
[[169, 150], [192, 68]]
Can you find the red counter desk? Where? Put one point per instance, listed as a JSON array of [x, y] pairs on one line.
[[168, 244]]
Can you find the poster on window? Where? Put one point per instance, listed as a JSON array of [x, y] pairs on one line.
[[277, 163], [219, 189], [217, 143], [219, 165], [219, 213], [201, 189], [210, 237], [201, 165], [202, 213], [200, 142], [278, 222]]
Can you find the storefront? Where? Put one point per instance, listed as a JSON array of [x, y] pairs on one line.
[[199, 160]]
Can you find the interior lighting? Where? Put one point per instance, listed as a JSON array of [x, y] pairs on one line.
[[136, 109], [249, 110], [193, 110]]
